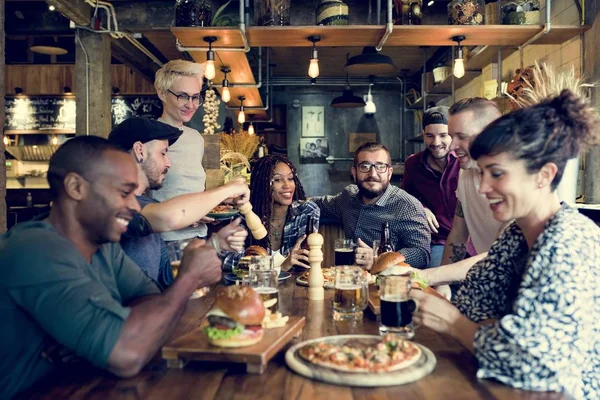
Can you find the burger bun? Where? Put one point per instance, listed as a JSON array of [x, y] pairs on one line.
[[256, 251], [386, 260]]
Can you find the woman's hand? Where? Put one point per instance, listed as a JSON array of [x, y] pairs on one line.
[[443, 317], [363, 255], [297, 256]]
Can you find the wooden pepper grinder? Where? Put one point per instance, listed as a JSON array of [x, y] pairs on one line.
[[315, 276], [256, 227]]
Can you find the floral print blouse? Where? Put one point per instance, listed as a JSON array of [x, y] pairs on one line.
[[546, 301]]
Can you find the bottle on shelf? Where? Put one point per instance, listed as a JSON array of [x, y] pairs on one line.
[[29, 200], [386, 240], [310, 228]]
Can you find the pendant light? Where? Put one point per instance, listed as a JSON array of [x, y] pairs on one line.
[[225, 94], [251, 128], [347, 99], [241, 115], [370, 107], [370, 62], [459, 62], [313, 68], [54, 140], [209, 71]]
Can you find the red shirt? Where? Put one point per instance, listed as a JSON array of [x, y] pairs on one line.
[[435, 190]]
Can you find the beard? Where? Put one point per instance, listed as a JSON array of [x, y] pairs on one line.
[[153, 174], [443, 154], [369, 193]]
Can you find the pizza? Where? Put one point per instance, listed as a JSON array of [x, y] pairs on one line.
[[221, 209], [329, 278], [389, 354]]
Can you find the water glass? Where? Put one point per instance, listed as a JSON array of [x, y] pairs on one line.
[[266, 284]]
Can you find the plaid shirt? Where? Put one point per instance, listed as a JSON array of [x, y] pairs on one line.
[[295, 226], [408, 225]]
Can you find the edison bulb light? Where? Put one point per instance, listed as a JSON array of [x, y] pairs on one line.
[[459, 68], [313, 68], [210, 72], [225, 95]]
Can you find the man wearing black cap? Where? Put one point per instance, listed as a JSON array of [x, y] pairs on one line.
[[148, 141], [432, 177]]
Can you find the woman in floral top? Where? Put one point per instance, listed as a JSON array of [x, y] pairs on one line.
[[530, 310]]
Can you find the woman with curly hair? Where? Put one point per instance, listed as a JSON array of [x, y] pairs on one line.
[[278, 198], [529, 311]]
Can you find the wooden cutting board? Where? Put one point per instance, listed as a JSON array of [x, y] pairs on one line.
[[195, 346], [374, 303], [421, 368]]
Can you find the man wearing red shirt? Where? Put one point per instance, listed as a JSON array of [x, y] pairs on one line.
[[432, 177]]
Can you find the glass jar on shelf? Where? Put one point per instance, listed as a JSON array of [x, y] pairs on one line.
[[332, 12], [466, 12], [272, 12], [520, 12], [407, 12], [193, 12]]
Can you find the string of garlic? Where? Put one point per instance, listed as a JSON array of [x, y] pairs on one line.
[[211, 112]]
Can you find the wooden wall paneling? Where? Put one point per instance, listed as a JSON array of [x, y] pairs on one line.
[[130, 82]]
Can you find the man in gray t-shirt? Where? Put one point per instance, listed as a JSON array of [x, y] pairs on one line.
[[178, 84]]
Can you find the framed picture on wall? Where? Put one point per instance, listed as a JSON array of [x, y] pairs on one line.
[[313, 121], [313, 151], [356, 140]]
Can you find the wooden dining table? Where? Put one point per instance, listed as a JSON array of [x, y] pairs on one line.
[[454, 376]]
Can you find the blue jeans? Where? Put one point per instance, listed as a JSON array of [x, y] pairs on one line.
[[437, 251]]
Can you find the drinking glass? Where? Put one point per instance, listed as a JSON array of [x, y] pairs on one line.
[[344, 252], [396, 307], [175, 250], [265, 283], [375, 248], [351, 293]]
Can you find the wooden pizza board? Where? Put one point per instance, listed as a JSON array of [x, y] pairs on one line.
[[374, 303], [421, 368], [195, 346]]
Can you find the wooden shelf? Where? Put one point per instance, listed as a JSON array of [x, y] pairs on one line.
[[369, 35], [418, 105], [445, 86]]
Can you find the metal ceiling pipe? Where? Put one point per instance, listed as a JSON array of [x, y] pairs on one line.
[[543, 32], [268, 89], [389, 27], [87, 83]]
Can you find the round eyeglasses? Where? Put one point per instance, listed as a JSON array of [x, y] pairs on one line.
[[184, 98]]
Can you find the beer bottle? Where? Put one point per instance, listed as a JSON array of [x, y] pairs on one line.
[[386, 240], [310, 228]]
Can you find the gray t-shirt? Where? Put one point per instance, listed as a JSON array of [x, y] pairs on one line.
[[185, 176]]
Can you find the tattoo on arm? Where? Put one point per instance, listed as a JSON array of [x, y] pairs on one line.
[[458, 252], [459, 210]]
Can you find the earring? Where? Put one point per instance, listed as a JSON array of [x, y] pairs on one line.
[[140, 160]]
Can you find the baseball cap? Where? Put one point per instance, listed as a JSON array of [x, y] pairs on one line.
[[435, 115], [142, 130]]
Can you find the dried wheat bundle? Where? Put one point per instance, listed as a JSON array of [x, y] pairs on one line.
[[240, 142], [548, 82]]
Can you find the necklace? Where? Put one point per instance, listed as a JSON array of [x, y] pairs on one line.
[[275, 231]]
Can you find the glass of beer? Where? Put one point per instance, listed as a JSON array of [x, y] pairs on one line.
[[265, 283], [175, 250], [351, 293], [344, 252], [396, 307]]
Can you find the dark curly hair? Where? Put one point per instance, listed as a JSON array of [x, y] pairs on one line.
[[553, 131], [260, 190]]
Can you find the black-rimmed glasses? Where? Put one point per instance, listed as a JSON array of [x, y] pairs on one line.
[[184, 98], [366, 167]]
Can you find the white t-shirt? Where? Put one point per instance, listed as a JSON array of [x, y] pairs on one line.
[[483, 228], [186, 175]]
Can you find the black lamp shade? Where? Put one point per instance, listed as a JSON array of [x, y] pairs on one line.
[[347, 100], [370, 62]]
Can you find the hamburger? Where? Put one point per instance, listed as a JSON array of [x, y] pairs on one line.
[[393, 263], [242, 268], [256, 251], [236, 317]]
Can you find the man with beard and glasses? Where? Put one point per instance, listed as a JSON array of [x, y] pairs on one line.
[[68, 289], [432, 176], [364, 207], [147, 142]]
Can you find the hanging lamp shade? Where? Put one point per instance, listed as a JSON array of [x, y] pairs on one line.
[[347, 100], [370, 62], [49, 46]]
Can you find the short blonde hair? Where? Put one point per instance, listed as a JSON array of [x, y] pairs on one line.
[[169, 72]]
